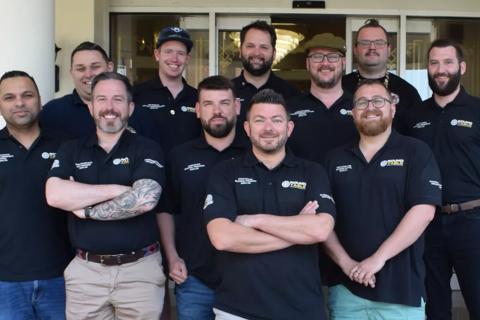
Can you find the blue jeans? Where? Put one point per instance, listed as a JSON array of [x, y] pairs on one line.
[[28, 300], [194, 300]]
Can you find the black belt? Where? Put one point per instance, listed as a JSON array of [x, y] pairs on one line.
[[118, 259], [456, 207]]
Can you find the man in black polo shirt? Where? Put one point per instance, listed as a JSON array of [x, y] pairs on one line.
[[323, 116], [165, 105], [70, 112], [34, 247], [386, 187], [449, 123], [188, 168], [257, 52], [372, 50], [111, 181], [266, 211]]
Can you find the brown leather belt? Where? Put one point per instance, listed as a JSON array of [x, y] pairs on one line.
[[456, 207], [118, 259]]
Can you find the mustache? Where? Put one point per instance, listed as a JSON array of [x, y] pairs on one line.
[[441, 74], [372, 52], [109, 112], [371, 113], [328, 68]]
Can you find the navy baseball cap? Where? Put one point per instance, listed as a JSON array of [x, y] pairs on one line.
[[176, 34]]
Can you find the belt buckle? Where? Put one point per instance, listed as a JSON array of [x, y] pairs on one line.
[[452, 208]]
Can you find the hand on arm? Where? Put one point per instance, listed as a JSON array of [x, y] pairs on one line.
[[409, 229], [70, 195], [226, 235], [304, 228], [177, 268]]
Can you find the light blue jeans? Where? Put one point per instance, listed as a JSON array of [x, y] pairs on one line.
[[30, 300]]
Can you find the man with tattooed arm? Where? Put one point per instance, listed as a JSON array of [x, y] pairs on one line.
[[111, 182]]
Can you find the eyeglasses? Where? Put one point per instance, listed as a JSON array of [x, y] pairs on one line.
[[319, 57], [377, 102], [367, 43]]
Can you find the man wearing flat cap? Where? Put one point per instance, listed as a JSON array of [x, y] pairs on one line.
[[165, 105], [326, 108]]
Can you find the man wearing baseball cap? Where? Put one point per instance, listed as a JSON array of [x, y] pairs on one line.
[[165, 105], [326, 108]]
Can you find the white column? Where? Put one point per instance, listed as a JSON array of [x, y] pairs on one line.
[[27, 30]]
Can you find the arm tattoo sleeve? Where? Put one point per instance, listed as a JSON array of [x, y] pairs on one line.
[[142, 198]]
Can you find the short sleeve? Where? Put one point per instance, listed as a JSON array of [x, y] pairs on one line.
[[149, 162], [63, 166], [319, 189]]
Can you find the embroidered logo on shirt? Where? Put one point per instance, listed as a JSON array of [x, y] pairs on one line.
[[5, 156], [83, 165], [245, 180], [421, 125], [153, 106], [154, 162], [343, 168], [294, 184], [55, 164], [187, 109], [345, 112], [301, 113], [326, 196], [193, 167], [208, 201], [48, 155], [461, 123], [435, 184], [392, 163], [121, 161]]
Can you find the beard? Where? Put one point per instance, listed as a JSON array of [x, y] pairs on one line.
[[269, 148], [257, 71], [446, 88], [326, 83], [218, 130], [111, 125], [373, 128]]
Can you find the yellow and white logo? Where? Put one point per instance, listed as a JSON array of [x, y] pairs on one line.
[[345, 112], [294, 184], [121, 161], [461, 123], [187, 109], [392, 163], [48, 155]]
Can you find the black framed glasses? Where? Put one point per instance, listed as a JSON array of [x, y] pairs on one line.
[[379, 43], [319, 57], [377, 102]]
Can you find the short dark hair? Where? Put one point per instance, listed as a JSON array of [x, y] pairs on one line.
[[371, 23], [216, 83], [87, 45], [19, 73], [371, 82], [443, 43], [114, 76], [267, 96], [259, 25]]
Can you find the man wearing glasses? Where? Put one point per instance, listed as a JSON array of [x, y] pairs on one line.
[[386, 187], [372, 51], [326, 107]]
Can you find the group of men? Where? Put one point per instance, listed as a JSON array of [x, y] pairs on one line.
[[255, 175]]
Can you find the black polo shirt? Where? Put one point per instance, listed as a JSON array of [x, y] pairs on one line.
[[282, 284], [244, 91], [159, 116], [132, 158], [453, 133], [33, 236], [372, 198], [319, 129], [409, 102], [188, 169], [68, 114]]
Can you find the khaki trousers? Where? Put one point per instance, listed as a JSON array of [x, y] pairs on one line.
[[129, 291]]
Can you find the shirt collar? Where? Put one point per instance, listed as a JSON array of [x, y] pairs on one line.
[[76, 99], [290, 160], [92, 139], [201, 143]]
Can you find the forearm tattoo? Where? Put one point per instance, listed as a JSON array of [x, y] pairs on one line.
[[143, 197]]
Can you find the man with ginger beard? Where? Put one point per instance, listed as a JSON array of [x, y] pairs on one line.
[[257, 52], [386, 187], [326, 108], [449, 123], [190, 255]]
